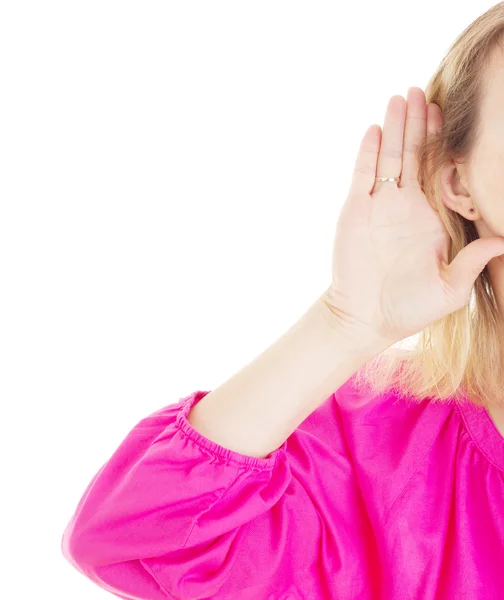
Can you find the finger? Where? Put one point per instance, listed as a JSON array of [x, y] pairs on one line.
[[391, 150], [434, 124], [414, 134], [363, 178]]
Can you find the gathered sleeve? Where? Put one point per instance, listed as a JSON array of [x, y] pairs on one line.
[[169, 514], [173, 515]]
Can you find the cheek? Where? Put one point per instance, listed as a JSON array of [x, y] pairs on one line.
[[487, 192]]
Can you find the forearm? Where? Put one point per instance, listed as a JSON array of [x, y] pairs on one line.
[[259, 407]]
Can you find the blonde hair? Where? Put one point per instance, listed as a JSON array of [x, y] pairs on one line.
[[462, 355]]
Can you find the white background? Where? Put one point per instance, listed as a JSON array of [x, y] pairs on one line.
[[171, 176]]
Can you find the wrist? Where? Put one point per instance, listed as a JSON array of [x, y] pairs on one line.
[[349, 334]]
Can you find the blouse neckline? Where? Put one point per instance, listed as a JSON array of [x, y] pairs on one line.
[[483, 431]]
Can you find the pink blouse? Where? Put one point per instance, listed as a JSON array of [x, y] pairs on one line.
[[370, 498]]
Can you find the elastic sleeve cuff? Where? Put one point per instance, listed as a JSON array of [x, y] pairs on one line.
[[230, 456]]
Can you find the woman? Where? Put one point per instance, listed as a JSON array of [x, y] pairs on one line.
[[334, 465]]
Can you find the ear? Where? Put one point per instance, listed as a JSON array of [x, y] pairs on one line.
[[454, 191]]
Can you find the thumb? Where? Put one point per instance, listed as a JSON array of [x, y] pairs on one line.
[[464, 269]]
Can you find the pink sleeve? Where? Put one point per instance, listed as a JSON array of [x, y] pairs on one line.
[[174, 515], [166, 516]]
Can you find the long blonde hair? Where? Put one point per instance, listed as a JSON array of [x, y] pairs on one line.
[[462, 355]]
